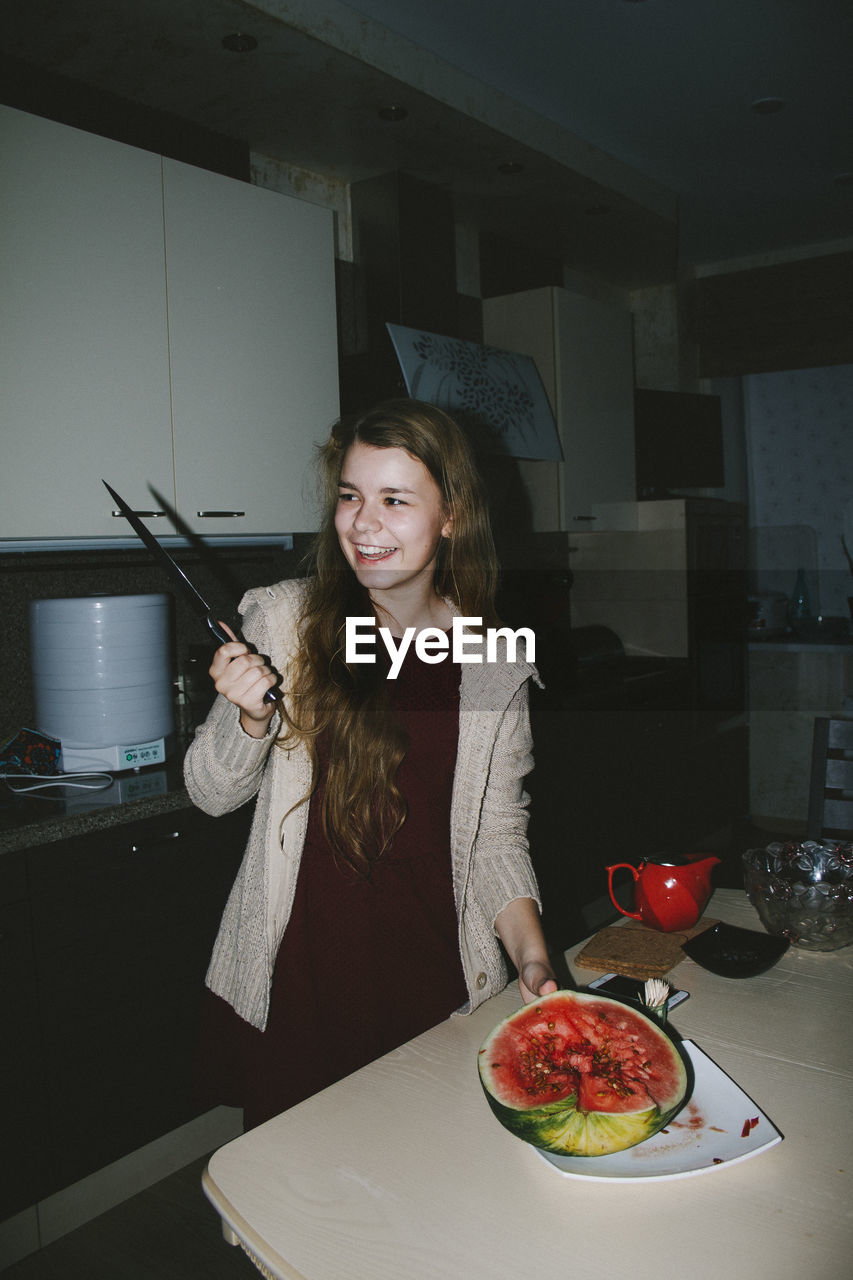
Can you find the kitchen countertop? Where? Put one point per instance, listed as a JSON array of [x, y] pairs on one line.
[[41, 817], [792, 645]]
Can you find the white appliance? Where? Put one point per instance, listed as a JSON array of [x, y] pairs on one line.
[[102, 679]]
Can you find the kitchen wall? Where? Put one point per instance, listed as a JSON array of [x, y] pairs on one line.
[[799, 428]]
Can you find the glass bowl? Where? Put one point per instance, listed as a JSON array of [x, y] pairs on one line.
[[803, 892]]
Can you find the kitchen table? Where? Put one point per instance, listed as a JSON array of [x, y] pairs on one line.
[[401, 1172]]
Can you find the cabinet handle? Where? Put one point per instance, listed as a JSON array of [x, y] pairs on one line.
[[151, 844], [147, 514], [220, 515]]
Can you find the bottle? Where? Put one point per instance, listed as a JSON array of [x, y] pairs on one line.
[[800, 603]]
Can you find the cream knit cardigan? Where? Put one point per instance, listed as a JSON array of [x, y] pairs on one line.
[[225, 767]]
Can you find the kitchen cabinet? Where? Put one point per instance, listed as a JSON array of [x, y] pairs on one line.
[[20, 1061], [123, 922], [583, 348], [161, 326], [253, 350], [84, 359]]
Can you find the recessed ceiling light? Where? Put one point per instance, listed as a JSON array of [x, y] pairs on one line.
[[393, 113], [239, 42], [510, 166], [767, 106]]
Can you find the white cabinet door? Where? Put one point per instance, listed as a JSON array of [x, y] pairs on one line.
[[583, 349], [84, 374], [253, 343]]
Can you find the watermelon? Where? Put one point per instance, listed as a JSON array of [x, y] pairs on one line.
[[581, 1074]]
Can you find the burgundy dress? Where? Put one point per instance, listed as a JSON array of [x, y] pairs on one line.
[[365, 963]]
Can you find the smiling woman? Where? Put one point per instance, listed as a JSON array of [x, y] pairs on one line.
[[398, 803]]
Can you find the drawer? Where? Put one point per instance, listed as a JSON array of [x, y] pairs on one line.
[[131, 881]]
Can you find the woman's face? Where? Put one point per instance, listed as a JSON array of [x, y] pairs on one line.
[[390, 518]]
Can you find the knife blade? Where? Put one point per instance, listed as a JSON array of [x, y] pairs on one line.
[[195, 598]]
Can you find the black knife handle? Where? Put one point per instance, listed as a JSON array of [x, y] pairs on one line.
[[222, 637], [219, 635]]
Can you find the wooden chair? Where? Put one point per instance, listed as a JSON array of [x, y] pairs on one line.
[[831, 789]]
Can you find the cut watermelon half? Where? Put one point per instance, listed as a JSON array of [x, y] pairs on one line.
[[582, 1075]]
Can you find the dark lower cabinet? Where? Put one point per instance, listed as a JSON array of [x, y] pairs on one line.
[[23, 1138], [120, 926]]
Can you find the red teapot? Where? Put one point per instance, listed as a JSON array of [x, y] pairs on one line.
[[669, 893]]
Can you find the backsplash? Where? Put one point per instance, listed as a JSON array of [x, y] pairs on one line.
[[27, 576], [799, 433]]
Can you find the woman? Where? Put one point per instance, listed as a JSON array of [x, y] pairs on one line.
[[388, 844]]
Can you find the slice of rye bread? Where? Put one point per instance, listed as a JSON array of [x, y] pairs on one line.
[[636, 951]]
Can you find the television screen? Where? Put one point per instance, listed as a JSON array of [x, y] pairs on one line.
[[679, 442]]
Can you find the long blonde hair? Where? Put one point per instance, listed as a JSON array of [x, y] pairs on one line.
[[363, 807]]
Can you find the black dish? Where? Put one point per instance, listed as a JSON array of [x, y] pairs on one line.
[[733, 952]]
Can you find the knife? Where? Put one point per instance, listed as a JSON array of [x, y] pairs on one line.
[[194, 597]]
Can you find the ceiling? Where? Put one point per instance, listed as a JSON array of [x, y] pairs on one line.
[[628, 125]]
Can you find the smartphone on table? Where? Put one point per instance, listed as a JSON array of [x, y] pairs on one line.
[[631, 990]]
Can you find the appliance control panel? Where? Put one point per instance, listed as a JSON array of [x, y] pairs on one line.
[[143, 753]]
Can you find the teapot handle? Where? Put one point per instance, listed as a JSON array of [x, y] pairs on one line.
[[617, 866]]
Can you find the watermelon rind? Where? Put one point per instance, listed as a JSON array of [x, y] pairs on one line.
[[647, 1078]]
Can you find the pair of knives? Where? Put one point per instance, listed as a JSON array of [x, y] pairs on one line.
[[195, 598]]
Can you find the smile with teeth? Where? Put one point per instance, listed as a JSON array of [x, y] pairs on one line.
[[368, 552]]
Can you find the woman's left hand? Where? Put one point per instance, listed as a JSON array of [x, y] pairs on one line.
[[520, 930], [536, 979]]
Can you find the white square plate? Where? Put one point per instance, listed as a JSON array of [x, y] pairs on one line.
[[708, 1133]]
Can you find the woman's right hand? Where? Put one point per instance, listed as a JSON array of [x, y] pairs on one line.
[[243, 677]]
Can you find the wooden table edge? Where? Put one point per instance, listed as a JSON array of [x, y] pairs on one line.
[[237, 1231]]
